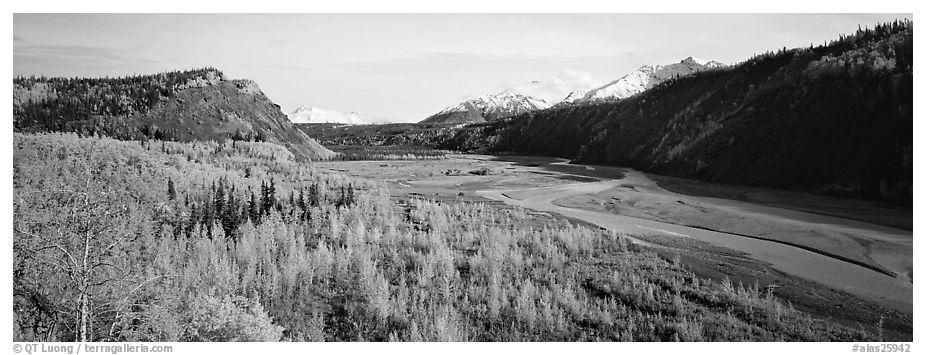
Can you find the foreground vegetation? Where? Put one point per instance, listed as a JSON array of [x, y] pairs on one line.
[[236, 241]]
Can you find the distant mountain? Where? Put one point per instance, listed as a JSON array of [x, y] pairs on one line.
[[182, 106], [642, 79], [835, 120], [574, 96], [308, 114], [488, 108]]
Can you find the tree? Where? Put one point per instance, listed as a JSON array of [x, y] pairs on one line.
[[230, 216], [292, 198], [341, 198], [171, 191], [254, 209], [76, 244], [208, 215], [350, 194], [268, 197], [301, 203], [218, 200], [313, 195], [231, 318]]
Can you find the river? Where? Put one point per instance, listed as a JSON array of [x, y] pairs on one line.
[[894, 292]]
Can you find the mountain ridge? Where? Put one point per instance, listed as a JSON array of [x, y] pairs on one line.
[[487, 108], [833, 120], [642, 79], [309, 115], [199, 104]]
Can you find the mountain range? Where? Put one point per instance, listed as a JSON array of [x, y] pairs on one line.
[[834, 119], [488, 108], [308, 114], [641, 80], [504, 104]]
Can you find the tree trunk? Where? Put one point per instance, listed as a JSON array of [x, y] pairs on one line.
[[85, 292], [84, 317]]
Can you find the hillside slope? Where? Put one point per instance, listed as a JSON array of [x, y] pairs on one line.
[[833, 120], [180, 106]]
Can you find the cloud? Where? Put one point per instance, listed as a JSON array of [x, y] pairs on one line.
[[555, 89], [76, 60], [71, 52]]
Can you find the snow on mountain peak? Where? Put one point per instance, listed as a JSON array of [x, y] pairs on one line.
[[488, 107], [505, 101], [714, 64], [574, 96], [309, 114], [645, 78]]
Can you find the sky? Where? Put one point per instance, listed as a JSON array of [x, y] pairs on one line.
[[405, 67]]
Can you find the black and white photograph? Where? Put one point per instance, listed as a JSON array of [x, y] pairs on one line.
[[467, 177]]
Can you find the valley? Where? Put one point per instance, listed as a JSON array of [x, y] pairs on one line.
[[765, 200], [820, 254], [242, 242]]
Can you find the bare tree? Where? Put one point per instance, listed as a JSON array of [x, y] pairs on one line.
[[75, 240]]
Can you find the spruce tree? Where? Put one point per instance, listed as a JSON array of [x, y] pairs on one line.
[[313, 195], [301, 204], [219, 198], [341, 198], [171, 191], [254, 211], [350, 194], [230, 217], [268, 200]]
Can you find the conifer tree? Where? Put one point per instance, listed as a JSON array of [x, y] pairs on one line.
[[219, 198], [230, 217], [350, 194], [171, 191], [301, 202], [341, 197], [313, 195], [254, 210]]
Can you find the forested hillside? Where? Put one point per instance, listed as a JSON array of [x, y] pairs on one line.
[[237, 241], [179, 106], [409, 134], [834, 119]]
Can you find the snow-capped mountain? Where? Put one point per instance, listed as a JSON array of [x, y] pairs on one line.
[[574, 96], [510, 103], [308, 114], [488, 108], [643, 79]]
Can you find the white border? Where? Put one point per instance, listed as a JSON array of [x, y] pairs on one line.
[[470, 6], [475, 6]]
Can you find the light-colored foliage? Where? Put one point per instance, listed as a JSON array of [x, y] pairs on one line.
[[373, 270]]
